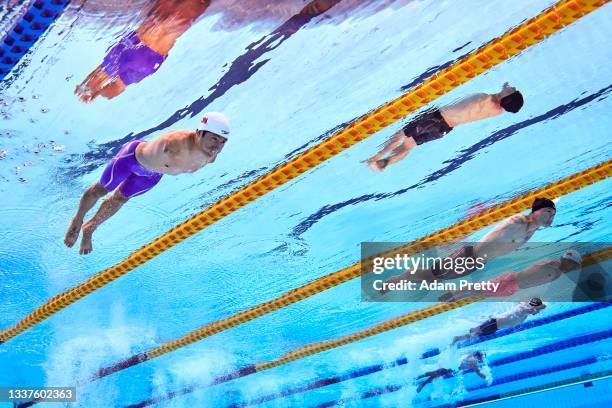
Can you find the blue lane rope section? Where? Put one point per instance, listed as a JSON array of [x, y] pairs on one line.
[[537, 322], [546, 349], [551, 348], [26, 31], [522, 376], [363, 371]]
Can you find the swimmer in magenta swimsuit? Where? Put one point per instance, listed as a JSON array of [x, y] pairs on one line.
[[512, 318], [538, 274], [140, 53], [140, 165], [131, 60], [436, 123]]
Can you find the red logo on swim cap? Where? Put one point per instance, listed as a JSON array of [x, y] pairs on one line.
[[204, 120]]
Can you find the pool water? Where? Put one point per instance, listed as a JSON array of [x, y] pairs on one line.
[[325, 73]]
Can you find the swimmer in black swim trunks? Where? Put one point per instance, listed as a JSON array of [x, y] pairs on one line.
[[436, 123], [512, 318]]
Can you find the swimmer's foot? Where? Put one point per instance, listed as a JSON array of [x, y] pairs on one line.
[[84, 93], [86, 246], [73, 232], [372, 165], [377, 165]]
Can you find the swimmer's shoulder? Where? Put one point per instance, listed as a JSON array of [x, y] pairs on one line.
[[518, 219], [178, 134], [508, 223]]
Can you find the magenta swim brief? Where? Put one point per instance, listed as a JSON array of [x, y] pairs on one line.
[[125, 172], [131, 60]]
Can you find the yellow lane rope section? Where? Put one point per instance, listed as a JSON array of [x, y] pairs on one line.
[[596, 257], [456, 231], [374, 330], [511, 43]]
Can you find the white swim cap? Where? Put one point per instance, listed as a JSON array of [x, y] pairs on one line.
[[215, 122], [573, 256]]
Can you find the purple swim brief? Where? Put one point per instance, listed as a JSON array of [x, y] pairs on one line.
[[131, 60], [125, 172]]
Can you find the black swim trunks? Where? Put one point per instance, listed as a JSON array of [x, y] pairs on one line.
[[488, 327], [466, 252], [427, 126]]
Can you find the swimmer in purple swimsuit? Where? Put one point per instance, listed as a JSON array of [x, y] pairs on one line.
[[140, 53], [436, 123], [140, 165]]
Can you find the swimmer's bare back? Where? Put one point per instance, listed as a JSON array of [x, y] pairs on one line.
[[475, 107]]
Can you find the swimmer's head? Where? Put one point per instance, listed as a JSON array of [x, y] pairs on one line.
[[536, 304], [571, 258], [512, 102], [213, 133], [479, 355], [215, 122], [543, 211]]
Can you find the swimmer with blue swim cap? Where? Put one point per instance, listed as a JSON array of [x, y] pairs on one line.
[[140, 165]]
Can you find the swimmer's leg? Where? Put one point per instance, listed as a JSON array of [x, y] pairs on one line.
[[99, 83], [114, 88], [461, 338], [398, 148], [109, 207], [400, 152], [88, 200], [91, 86], [430, 378], [395, 141]]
